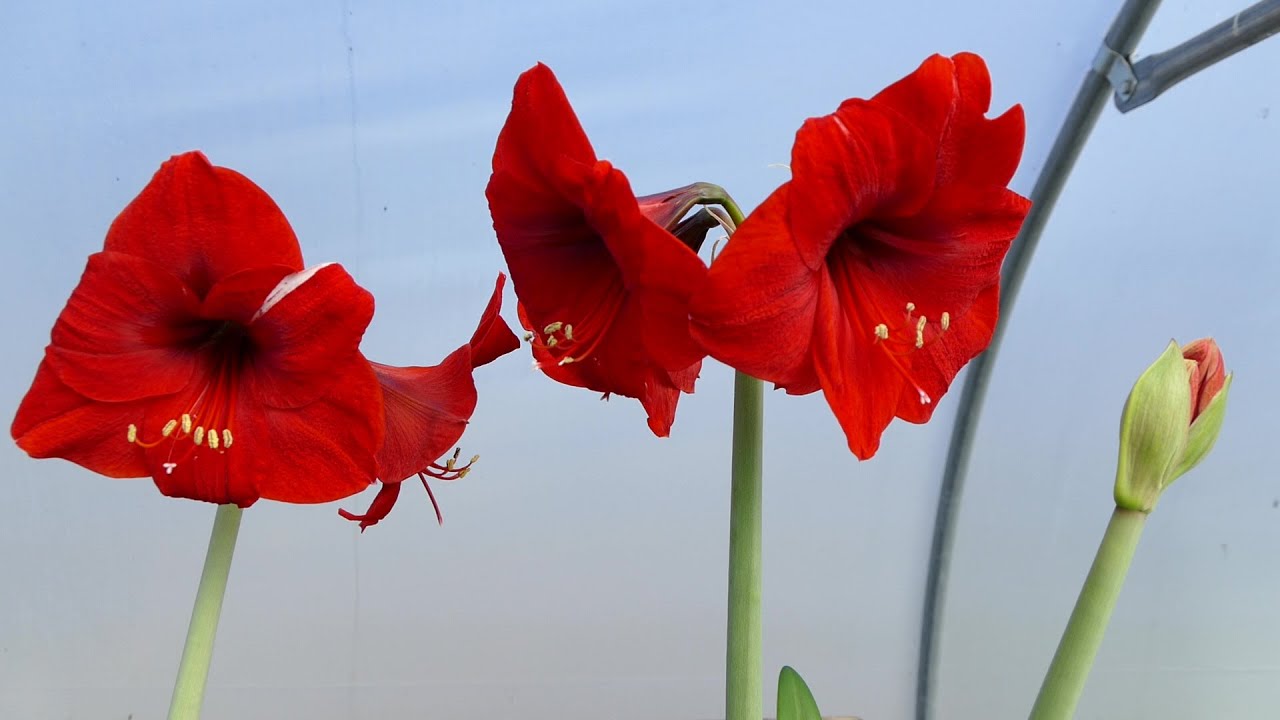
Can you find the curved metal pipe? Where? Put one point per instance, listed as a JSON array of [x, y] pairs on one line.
[[1126, 29]]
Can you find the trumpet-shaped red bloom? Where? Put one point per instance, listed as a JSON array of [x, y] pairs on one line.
[[603, 282], [197, 350], [427, 409], [873, 274]]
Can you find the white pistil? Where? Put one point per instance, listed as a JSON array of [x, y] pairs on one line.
[[924, 397], [168, 467]]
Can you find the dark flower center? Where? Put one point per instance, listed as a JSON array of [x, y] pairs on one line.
[[209, 410]]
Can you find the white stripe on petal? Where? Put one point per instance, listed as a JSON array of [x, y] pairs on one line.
[[287, 285]]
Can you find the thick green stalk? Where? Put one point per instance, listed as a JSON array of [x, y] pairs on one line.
[[744, 683], [744, 686], [1080, 641], [188, 690]]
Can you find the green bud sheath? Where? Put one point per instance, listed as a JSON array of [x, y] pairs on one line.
[[1153, 431]]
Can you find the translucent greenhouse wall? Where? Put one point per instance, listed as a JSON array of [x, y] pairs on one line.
[[580, 569]]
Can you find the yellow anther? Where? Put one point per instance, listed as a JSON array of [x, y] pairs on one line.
[[946, 321], [882, 331], [167, 430], [567, 360], [528, 337], [552, 342], [552, 327], [452, 461], [132, 435], [226, 438], [213, 439], [473, 459], [920, 332], [462, 473], [199, 435], [186, 423], [568, 332], [911, 307]]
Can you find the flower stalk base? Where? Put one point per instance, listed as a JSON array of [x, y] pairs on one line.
[[1067, 674], [188, 690], [744, 687]]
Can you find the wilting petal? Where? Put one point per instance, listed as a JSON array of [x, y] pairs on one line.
[[382, 504], [756, 310], [427, 409], [307, 327], [493, 337], [204, 223], [55, 421], [125, 332]]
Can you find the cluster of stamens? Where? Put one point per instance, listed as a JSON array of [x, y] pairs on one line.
[[450, 469], [557, 337], [916, 331], [181, 428]]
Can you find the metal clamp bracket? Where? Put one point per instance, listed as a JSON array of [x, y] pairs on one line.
[[1117, 70]]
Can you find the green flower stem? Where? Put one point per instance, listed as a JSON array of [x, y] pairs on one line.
[[744, 684], [1080, 641], [188, 690]]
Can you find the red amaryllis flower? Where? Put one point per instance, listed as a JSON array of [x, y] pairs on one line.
[[603, 282], [873, 274], [427, 409], [197, 351]]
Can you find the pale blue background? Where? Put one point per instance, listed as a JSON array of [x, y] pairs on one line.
[[580, 571]]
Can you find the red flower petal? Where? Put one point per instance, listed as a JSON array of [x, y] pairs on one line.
[[756, 310], [936, 364], [311, 323], [55, 421], [493, 337], [126, 331], [541, 132], [860, 384], [657, 269], [381, 506], [427, 409], [976, 150], [204, 223], [860, 162], [603, 290]]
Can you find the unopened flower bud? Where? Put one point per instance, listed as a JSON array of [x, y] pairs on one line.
[[1170, 421]]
